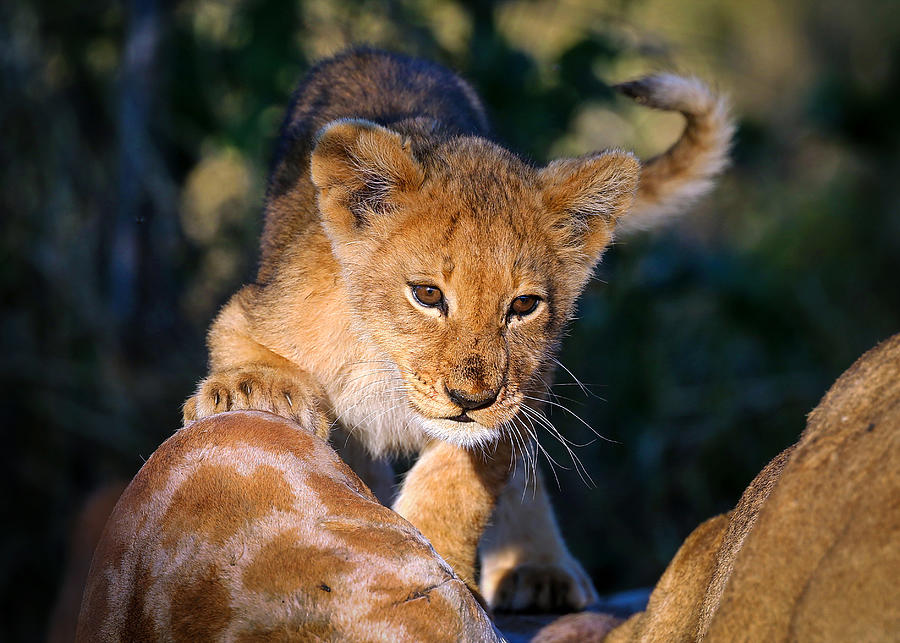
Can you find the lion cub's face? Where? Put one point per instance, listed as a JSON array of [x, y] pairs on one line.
[[462, 263]]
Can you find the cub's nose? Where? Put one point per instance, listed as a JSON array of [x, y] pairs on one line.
[[472, 401]]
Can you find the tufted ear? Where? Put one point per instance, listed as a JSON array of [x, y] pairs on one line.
[[587, 195], [357, 167]]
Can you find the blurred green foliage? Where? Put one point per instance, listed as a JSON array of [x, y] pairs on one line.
[[138, 135]]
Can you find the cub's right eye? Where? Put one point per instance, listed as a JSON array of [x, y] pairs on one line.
[[429, 296]]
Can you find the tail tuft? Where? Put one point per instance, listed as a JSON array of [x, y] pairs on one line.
[[674, 180]]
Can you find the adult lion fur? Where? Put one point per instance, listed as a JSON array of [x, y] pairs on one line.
[[811, 552]]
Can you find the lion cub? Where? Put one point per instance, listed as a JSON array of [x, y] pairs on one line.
[[414, 283]]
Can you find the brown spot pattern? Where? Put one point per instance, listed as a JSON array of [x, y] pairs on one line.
[[285, 565], [376, 538], [312, 629], [200, 607], [425, 614], [137, 624], [386, 582], [216, 501], [339, 499]]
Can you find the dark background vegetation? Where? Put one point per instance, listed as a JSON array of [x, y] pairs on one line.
[[135, 142]]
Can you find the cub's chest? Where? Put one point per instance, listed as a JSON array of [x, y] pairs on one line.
[[370, 404]]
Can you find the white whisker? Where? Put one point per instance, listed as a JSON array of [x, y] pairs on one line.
[[575, 415], [571, 374], [542, 420]]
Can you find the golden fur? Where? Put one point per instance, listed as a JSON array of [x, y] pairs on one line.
[[386, 179], [812, 550]]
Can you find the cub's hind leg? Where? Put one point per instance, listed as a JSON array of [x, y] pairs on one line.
[[525, 565]]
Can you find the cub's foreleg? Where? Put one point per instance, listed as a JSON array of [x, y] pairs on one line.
[[449, 495], [289, 392], [245, 375], [525, 565]]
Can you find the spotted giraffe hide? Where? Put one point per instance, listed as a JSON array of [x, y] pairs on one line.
[[243, 527]]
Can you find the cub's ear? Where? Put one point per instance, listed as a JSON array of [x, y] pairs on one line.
[[585, 196], [357, 167]]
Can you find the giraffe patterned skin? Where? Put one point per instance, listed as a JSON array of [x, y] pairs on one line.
[[243, 526]]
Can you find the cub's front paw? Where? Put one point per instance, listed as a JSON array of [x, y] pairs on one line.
[[290, 393], [558, 586]]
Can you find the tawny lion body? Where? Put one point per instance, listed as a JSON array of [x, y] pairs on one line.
[[414, 282]]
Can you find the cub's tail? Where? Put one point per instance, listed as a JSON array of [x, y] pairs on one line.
[[675, 179]]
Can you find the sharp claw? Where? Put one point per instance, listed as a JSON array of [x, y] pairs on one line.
[[290, 402], [216, 403]]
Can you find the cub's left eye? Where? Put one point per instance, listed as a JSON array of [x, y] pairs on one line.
[[524, 305], [429, 296]]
